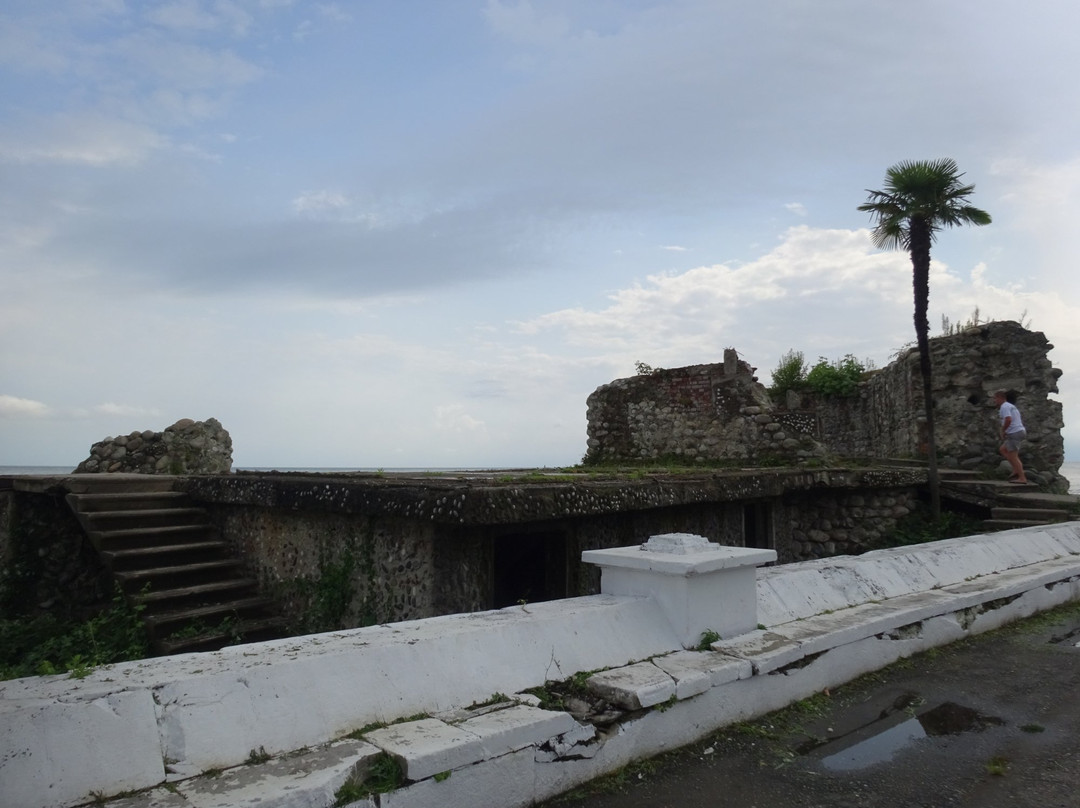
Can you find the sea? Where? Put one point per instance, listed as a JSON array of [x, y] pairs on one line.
[[1070, 471], [6, 471]]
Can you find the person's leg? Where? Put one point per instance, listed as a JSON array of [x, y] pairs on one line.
[[1013, 456]]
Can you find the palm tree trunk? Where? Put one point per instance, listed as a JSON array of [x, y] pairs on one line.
[[920, 261]]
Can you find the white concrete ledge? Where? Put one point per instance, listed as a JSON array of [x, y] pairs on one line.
[[141, 725]]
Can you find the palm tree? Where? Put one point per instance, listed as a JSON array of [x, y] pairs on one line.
[[920, 198]]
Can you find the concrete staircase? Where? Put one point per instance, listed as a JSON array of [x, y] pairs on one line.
[[171, 562], [1010, 505]]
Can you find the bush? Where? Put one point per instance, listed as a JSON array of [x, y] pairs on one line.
[[839, 378], [45, 645], [790, 374]]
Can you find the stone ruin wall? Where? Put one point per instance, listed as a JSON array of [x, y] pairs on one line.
[[730, 416], [186, 447], [697, 413]]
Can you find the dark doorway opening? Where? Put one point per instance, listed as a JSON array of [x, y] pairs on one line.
[[529, 567], [757, 525]]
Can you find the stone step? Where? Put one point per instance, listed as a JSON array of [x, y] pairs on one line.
[[142, 518], [307, 777], [172, 564], [1033, 513], [177, 575], [114, 483], [1040, 499], [213, 639], [157, 555], [130, 538], [189, 596], [165, 622], [132, 500]]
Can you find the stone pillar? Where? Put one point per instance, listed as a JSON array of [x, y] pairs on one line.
[[700, 585], [731, 362]]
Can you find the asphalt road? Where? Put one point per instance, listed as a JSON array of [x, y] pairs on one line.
[[990, 722]]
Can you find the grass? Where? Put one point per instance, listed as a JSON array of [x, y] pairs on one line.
[[44, 645], [708, 637], [920, 527], [997, 766], [258, 756], [384, 774]]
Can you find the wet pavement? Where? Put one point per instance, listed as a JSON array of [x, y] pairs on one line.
[[991, 722]]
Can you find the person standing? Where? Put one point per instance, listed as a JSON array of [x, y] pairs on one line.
[[1012, 435]]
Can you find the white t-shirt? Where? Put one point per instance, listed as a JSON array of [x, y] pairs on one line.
[[1008, 410]]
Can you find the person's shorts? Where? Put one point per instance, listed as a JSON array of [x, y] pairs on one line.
[[1013, 440]]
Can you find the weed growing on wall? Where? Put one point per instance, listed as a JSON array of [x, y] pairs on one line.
[[790, 374], [371, 609], [344, 592], [333, 591], [838, 378], [384, 774], [919, 527], [47, 645]]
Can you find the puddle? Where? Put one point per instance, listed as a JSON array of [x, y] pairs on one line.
[[1070, 637], [893, 731]]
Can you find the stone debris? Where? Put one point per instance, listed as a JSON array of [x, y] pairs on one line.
[[186, 447]]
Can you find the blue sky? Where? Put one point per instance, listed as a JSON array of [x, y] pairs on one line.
[[414, 233]]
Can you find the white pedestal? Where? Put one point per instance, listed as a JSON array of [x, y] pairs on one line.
[[700, 585]]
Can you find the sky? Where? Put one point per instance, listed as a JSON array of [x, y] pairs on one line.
[[419, 233]]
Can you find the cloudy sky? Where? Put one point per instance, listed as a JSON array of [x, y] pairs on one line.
[[393, 233]]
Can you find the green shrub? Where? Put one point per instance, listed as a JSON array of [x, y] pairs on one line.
[[920, 526], [790, 374], [839, 378], [46, 645]]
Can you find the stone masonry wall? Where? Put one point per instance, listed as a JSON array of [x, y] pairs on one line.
[[336, 570], [342, 553], [839, 523], [670, 413], [46, 562], [885, 419], [186, 447], [697, 413]]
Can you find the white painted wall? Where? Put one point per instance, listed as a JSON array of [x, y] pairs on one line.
[[135, 725]]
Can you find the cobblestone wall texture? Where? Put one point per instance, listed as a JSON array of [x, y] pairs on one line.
[[186, 447], [336, 570], [697, 413], [721, 412]]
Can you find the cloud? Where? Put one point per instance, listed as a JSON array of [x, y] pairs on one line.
[[798, 208], [313, 202], [673, 248], [334, 12], [453, 418], [18, 408], [126, 410], [89, 139], [186, 15], [522, 24]]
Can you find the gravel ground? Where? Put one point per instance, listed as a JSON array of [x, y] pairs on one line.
[[989, 722]]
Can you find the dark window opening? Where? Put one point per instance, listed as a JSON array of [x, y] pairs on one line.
[[757, 525], [528, 567]]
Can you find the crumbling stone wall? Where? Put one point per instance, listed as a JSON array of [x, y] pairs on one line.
[[886, 418], [701, 412], [186, 447], [669, 413]]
